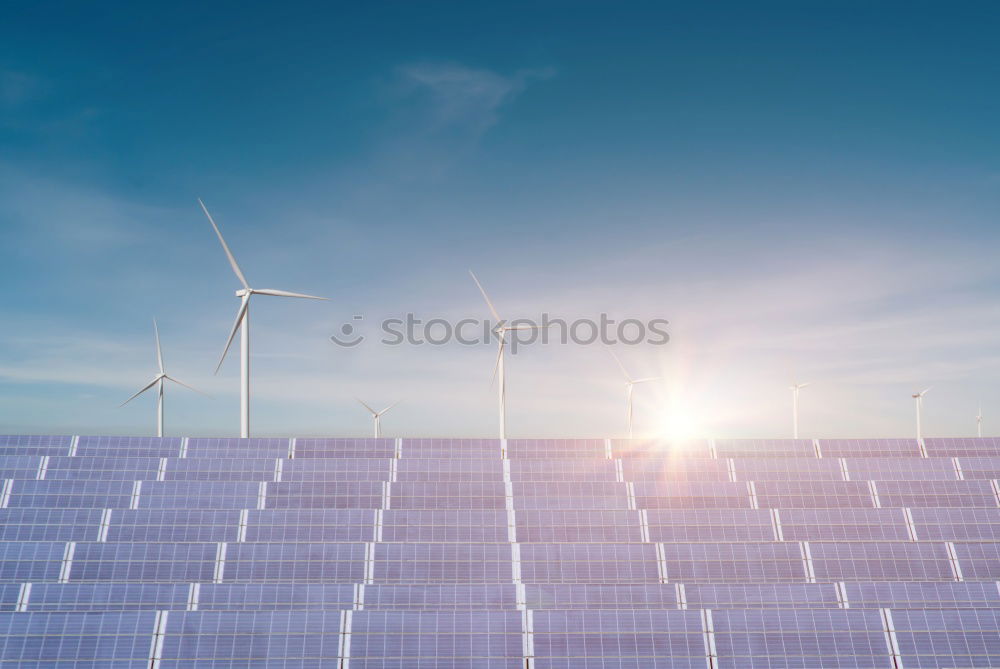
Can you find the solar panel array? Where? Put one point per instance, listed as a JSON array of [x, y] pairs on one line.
[[393, 553]]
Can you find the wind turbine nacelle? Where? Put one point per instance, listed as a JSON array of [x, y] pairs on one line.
[[243, 292]]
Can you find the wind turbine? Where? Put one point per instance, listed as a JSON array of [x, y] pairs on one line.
[[500, 331], [979, 421], [158, 381], [630, 385], [376, 415], [243, 319], [795, 388], [919, 399]]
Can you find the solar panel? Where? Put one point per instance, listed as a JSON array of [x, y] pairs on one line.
[[710, 525], [963, 447], [957, 524], [445, 525], [727, 562], [896, 561], [145, 552], [813, 494], [843, 525], [738, 448], [800, 638], [869, 448]]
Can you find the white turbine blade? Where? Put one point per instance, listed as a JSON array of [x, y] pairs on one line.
[[925, 391], [486, 297], [236, 326], [144, 389], [529, 327], [373, 412], [497, 365], [648, 378], [285, 293], [803, 385], [159, 352], [181, 383], [389, 407], [225, 247], [620, 365]]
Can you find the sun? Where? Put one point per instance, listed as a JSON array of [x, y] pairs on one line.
[[679, 423]]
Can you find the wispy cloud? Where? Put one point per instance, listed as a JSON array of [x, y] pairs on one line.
[[452, 95]]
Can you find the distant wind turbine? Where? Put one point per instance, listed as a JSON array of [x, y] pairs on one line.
[[630, 385], [795, 388], [243, 319], [376, 415], [500, 331], [979, 421], [158, 381], [919, 399]]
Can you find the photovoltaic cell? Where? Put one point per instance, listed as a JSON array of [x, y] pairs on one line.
[[739, 448], [800, 638], [128, 447], [310, 525], [787, 469], [761, 595], [674, 469], [937, 494], [691, 495], [653, 638], [555, 448], [448, 470], [957, 524], [101, 468], [589, 563], [294, 563], [25, 561], [430, 597], [228, 447], [901, 469], [325, 495], [445, 526], [71, 494], [143, 562], [581, 469], [276, 596], [923, 595], [814, 494], [980, 468], [335, 469], [30, 524], [34, 445], [660, 448], [19, 466], [172, 525], [455, 495], [869, 448], [89, 597], [90, 639], [578, 526], [251, 469], [710, 525], [987, 447], [343, 448], [843, 525], [895, 561], [199, 495], [600, 596], [728, 562], [942, 638], [979, 560], [442, 563]]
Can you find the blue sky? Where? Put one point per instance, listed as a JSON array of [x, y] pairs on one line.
[[800, 188]]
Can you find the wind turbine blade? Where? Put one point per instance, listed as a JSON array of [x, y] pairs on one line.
[[925, 391], [497, 365], [236, 326], [181, 383], [225, 247], [285, 293], [803, 385], [486, 297], [620, 365], [389, 407], [144, 389], [159, 352], [373, 412]]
